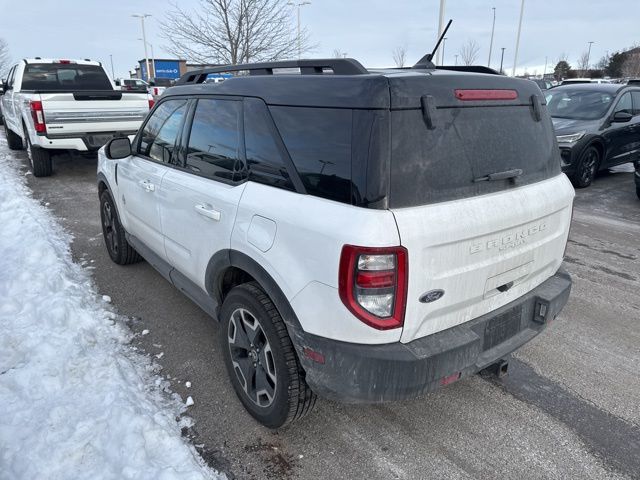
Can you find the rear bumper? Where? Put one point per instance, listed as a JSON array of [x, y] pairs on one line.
[[378, 373], [82, 142]]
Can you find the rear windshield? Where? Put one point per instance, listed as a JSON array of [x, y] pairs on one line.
[[467, 144], [57, 77]]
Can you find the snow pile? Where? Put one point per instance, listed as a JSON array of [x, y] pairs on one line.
[[76, 402]]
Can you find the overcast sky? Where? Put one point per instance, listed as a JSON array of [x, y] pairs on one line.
[[365, 30]]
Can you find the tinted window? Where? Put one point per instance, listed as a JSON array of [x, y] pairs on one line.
[[264, 158], [214, 141], [625, 105], [451, 161], [578, 104], [160, 132], [636, 103], [319, 142], [55, 77]]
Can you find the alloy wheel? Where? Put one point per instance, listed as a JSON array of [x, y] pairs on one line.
[[252, 357], [588, 167], [109, 227]]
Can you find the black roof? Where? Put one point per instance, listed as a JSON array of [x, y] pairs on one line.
[[345, 83]]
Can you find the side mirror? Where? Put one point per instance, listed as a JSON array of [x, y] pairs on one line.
[[117, 148], [621, 117]]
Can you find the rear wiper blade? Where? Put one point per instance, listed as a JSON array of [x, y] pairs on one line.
[[516, 172]]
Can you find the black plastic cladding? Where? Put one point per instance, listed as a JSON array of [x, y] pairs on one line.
[[373, 97]]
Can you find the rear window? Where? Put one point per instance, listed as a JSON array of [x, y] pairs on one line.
[[57, 77], [430, 166], [319, 143]]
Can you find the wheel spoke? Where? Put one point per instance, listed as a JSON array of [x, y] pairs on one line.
[[238, 338], [251, 326], [263, 386], [268, 363], [246, 373]]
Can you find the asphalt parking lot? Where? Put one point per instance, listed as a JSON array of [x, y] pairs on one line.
[[569, 408]]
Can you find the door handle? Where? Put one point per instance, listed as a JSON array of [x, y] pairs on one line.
[[148, 186], [208, 211]]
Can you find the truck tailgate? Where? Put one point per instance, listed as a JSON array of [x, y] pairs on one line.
[[86, 112]]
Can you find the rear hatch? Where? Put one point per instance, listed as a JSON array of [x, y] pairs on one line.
[[477, 193], [79, 98]]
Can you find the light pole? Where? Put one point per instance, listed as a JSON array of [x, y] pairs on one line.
[[440, 28], [444, 40], [515, 57], [113, 76], [502, 59], [493, 29], [545, 67], [456, 64], [142, 16], [589, 54], [153, 60], [299, 4]]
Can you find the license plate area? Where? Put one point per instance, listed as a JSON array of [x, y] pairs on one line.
[[502, 327]]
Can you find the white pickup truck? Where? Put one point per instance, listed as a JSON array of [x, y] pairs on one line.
[[52, 105]]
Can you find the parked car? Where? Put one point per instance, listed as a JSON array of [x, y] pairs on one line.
[[597, 127], [574, 81], [50, 105], [363, 236], [133, 85], [542, 83], [637, 177]]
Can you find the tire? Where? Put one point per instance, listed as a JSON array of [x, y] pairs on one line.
[[255, 344], [13, 139], [39, 159], [114, 235], [587, 167]]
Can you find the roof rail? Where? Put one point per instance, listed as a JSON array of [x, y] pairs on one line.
[[469, 68], [339, 66]]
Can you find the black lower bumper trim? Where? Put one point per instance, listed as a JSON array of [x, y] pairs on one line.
[[378, 373]]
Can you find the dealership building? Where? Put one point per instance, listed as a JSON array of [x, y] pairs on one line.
[[168, 68]]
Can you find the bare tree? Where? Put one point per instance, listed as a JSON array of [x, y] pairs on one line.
[[631, 65], [583, 63], [5, 59], [469, 52], [337, 53], [400, 56], [234, 31]]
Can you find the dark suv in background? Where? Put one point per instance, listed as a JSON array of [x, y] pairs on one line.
[[597, 126]]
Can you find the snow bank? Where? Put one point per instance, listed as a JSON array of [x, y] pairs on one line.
[[76, 402]]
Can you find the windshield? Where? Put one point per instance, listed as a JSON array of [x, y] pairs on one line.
[[578, 104], [62, 77]]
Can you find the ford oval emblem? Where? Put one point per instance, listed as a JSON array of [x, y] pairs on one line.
[[431, 296]]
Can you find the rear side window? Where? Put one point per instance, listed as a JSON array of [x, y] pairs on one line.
[[450, 162], [624, 105], [56, 77], [214, 142], [159, 136], [264, 158], [319, 142], [636, 103]]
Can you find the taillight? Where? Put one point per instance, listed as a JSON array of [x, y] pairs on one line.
[[486, 94], [152, 102], [373, 284], [38, 116]]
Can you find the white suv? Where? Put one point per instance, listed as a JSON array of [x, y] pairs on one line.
[[364, 236]]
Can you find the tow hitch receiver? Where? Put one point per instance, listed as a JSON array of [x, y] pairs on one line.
[[499, 369]]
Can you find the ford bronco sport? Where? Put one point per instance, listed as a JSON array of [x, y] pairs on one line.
[[365, 236]]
